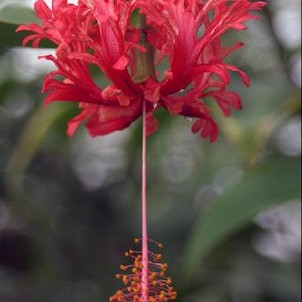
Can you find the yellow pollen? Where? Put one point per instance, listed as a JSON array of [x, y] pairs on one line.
[[125, 280]]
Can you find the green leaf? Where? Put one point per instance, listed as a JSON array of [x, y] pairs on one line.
[[274, 182], [11, 16], [17, 14], [8, 36]]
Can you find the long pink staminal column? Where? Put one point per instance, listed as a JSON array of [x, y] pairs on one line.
[[145, 260], [147, 281]]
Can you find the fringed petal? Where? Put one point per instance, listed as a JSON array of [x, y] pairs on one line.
[[185, 34]]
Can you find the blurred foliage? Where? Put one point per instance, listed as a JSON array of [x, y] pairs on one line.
[[228, 213]]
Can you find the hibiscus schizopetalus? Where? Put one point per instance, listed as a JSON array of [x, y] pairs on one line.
[[186, 34]]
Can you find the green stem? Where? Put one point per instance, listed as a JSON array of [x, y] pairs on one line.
[[144, 66]]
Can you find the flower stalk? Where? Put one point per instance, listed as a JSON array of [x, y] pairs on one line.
[[144, 66]]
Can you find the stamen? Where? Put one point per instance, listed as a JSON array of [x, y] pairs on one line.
[[159, 285]]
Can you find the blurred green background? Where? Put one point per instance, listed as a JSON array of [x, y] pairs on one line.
[[228, 213]]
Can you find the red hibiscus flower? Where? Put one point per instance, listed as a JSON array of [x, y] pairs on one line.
[[183, 34]]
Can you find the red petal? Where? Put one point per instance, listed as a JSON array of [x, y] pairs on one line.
[[43, 11]]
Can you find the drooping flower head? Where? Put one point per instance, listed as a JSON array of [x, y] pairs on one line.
[[184, 35]]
